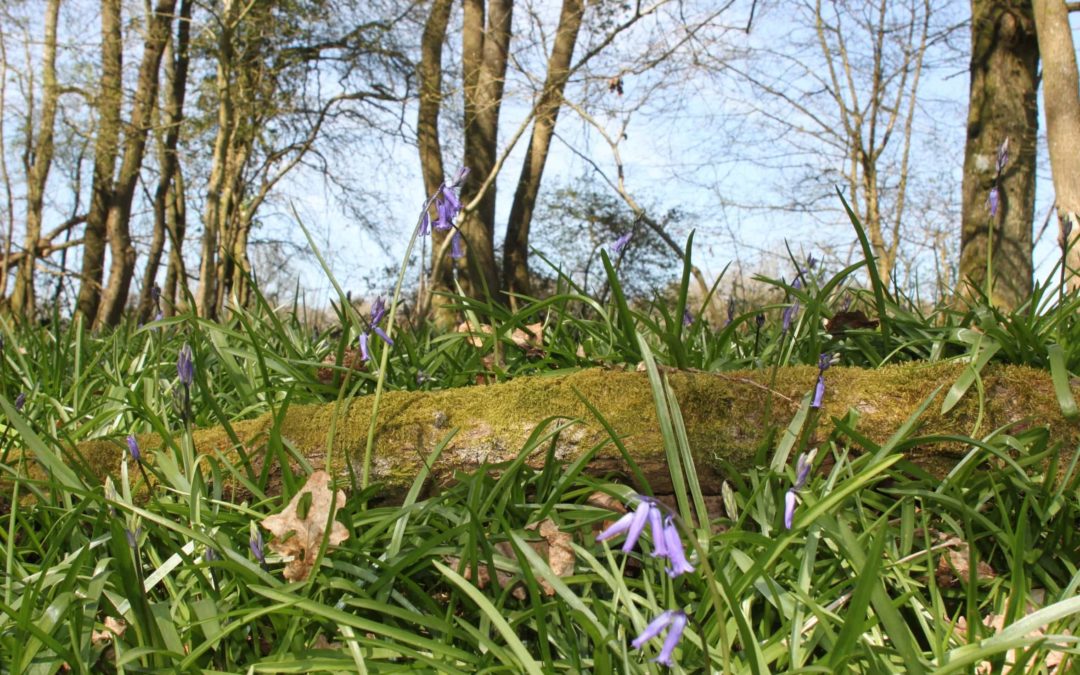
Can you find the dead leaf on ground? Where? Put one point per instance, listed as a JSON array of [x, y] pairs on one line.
[[555, 547], [955, 566], [297, 536], [113, 627], [352, 358]]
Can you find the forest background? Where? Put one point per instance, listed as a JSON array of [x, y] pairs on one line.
[[177, 144]]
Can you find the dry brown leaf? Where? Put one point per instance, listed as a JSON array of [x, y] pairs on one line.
[[113, 627], [560, 552], [996, 623], [555, 548], [603, 500], [474, 339], [351, 358], [955, 566], [298, 539]]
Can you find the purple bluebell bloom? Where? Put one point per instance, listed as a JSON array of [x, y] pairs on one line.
[[457, 252], [425, 224], [1003, 155], [759, 320], [621, 243], [675, 552], [675, 622], [20, 401], [133, 537], [185, 366], [378, 311], [364, 353], [992, 200], [802, 474], [687, 317], [789, 314], [631, 523], [789, 508], [133, 448], [659, 537], [257, 547], [824, 361]]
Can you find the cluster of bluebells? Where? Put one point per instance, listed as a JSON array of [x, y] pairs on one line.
[[994, 198], [378, 311], [666, 544], [447, 207]]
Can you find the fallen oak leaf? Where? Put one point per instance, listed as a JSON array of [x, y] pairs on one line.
[[298, 529]]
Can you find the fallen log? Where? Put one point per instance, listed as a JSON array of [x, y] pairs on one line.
[[727, 416]]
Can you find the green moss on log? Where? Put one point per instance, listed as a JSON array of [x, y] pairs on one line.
[[725, 416]]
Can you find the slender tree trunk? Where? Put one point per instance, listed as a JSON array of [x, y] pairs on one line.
[[105, 149], [23, 301], [516, 245], [427, 137], [9, 211], [176, 66], [1061, 98], [175, 293], [122, 268], [485, 53], [1004, 70], [212, 224]]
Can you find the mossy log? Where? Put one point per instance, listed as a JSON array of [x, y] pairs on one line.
[[726, 415]]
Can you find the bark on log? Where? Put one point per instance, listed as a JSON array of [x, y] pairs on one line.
[[724, 413]]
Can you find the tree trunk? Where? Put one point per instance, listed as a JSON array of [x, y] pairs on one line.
[[105, 149], [176, 66], [996, 251], [1061, 98], [516, 244], [122, 268], [208, 281], [430, 147], [40, 156], [485, 53], [176, 291]]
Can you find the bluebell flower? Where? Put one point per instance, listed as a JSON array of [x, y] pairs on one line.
[[210, 555], [1003, 155], [789, 314], [185, 366], [20, 401], [675, 622], [992, 200], [258, 547], [364, 353], [730, 311], [632, 524], [802, 474], [824, 361], [378, 311], [687, 317], [133, 537], [656, 526], [621, 243], [133, 448], [456, 250], [674, 550]]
